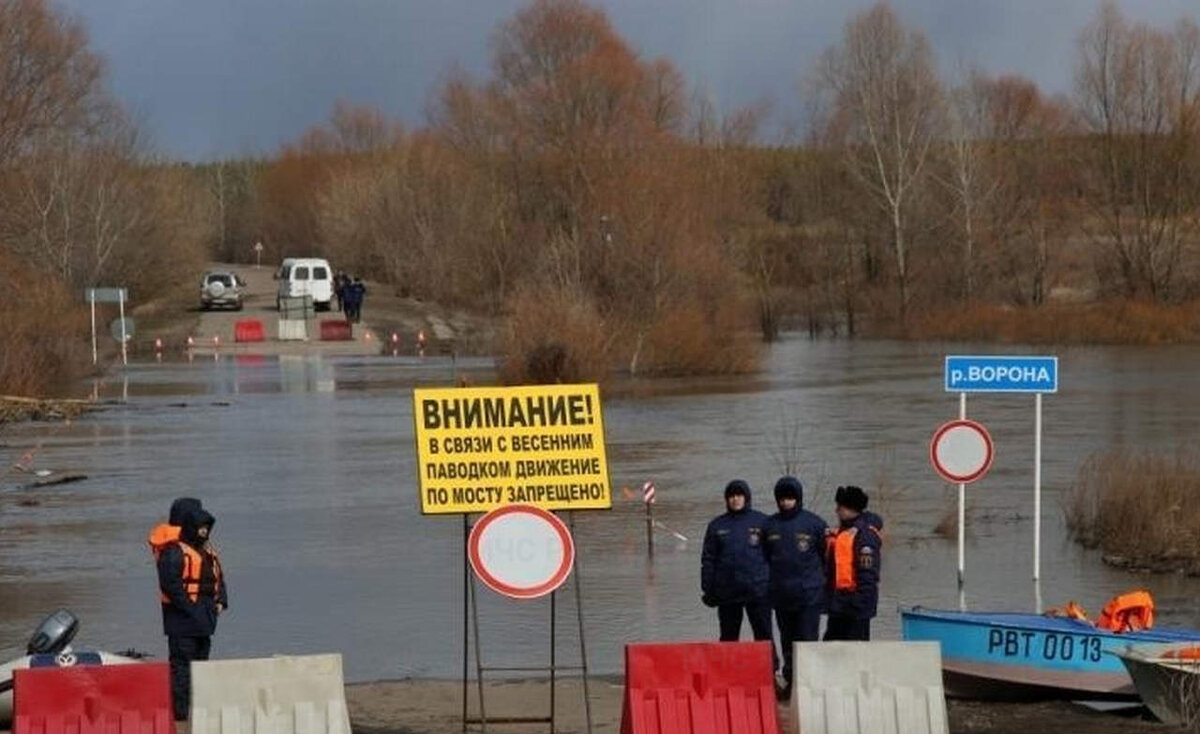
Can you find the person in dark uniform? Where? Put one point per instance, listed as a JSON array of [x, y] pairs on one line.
[[358, 291], [854, 556], [339, 289], [192, 592], [733, 567], [796, 554]]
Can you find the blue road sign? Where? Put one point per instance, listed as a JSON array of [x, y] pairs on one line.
[[1001, 374]]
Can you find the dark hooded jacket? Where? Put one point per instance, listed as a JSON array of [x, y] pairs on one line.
[[183, 617], [795, 547], [868, 561], [733, 567]]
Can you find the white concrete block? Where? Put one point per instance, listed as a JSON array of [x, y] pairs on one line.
[[868, 688]]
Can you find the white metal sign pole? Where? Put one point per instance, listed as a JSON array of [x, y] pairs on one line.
[[962, 504], [121, 301], [1037, 487], [92, 299]]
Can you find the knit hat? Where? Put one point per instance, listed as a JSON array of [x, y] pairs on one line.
[[737, 486], [789, 487], [852, 498]]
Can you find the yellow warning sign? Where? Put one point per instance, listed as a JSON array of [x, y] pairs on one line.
[[482, 448]]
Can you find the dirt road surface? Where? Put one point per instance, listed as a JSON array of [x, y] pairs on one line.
[[259, 303], [435, 707]]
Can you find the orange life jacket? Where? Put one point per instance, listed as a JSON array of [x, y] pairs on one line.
[[1128, 612], [841, 550], [164, 535], [161, 536]]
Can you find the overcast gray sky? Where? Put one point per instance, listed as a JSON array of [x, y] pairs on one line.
[[236, 77]]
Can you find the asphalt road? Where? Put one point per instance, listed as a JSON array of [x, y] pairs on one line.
[[259, 304]]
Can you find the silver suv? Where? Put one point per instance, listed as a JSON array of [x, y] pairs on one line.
[[221, 288]]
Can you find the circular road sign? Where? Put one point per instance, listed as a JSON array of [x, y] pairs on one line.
[[961, 451], [115, 328], [521, 551]]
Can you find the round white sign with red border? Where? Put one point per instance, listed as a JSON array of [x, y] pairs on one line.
[[961, 451], [521, 551]]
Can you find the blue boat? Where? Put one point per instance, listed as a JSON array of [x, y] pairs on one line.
[[1003, 656]]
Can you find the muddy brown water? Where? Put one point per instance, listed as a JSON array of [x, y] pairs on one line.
[[308, 465]]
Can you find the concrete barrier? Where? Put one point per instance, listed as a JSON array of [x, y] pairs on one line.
[[303, 694], [248, 330], [336, 331], [868, 687], [113, 699], [699, 688], [293, 330]]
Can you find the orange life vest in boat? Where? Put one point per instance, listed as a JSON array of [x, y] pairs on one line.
[[1128, 612], [1188, 653], [1070, 611]]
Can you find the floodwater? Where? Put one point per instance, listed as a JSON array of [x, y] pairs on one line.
[[308, 465]]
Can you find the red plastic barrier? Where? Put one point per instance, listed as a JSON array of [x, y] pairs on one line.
[[336, 331], [101, 699], [699, 687], [249, 330]]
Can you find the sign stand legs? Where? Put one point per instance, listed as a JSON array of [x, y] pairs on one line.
[[472, 645], [92, 300], [466, 618], [962, 503], [650, 529], [553, 645], [478, 656], [124, 336], [583, 661], [1037, 488]]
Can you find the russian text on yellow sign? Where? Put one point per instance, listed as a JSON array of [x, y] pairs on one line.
[[482, 448]]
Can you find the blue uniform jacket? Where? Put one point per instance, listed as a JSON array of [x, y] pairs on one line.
[[868, 558], [796, 555], [733, 567]]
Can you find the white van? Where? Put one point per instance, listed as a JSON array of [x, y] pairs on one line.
[[306, 276]]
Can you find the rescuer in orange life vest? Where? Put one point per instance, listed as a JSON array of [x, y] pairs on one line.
[[191, 590], [854, 558]]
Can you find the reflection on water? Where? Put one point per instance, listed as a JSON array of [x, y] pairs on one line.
[[308, 465]]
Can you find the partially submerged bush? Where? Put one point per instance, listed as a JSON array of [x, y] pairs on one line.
[[550, 335], [1139, 508], [43, 331]]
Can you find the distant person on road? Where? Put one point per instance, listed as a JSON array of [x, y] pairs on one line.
[[192, 595], [339, 289], [348, 302], [357, 291], [795, 547], [854, 557], [733, 567]]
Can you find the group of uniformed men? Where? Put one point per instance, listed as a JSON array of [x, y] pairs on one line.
[[794, 564]]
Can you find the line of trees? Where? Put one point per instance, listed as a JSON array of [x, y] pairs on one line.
[[609, 215], [82, 202], [601, 205]]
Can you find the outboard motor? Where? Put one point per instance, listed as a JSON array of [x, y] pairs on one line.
[[53, 634]]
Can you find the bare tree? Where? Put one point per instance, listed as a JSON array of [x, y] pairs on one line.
[[49, 81], [968, 174], [1138, 91], [885, 111]]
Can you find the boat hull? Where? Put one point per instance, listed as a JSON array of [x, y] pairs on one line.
[[1025, 657], [1169, 687]]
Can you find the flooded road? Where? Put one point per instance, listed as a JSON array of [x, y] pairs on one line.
[[308, 465]]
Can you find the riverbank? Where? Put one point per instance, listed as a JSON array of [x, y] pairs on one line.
[[14, 408], [416, 706], [1059, 324]]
